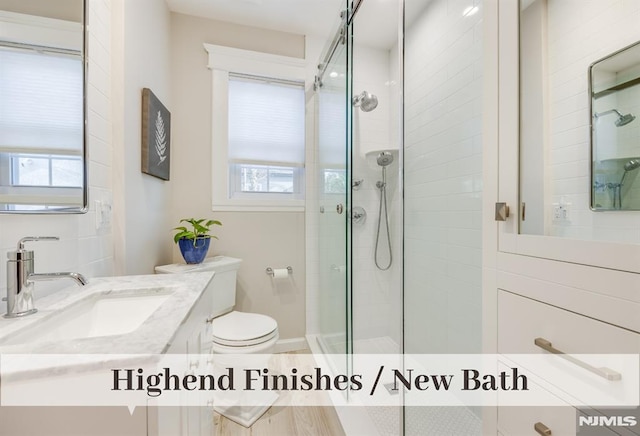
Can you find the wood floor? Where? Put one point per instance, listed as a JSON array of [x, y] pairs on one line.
[[286, 421]]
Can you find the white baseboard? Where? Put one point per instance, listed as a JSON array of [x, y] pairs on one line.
[[288, 345]]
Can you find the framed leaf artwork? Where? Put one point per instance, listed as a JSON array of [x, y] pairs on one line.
[[156, 136]]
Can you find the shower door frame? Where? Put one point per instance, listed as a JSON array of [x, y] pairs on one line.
[[342, 38]]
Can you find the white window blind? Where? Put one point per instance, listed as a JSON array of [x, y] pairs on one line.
[[40, 102], [266, 121]]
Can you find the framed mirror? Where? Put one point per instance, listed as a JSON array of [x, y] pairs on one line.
[[43, 106], [615, 130]]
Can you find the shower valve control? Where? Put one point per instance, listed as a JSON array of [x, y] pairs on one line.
[[339, 208], [358, 215]]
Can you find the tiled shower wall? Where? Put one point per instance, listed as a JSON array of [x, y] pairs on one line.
[[443, 178], [82, 247], [377, 294]]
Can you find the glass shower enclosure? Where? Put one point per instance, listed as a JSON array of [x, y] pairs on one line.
[[333, 181], [414, 160]]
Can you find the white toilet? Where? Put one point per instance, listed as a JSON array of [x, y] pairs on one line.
[[232, 332]]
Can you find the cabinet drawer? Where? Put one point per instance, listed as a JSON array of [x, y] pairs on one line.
[[562, 421], [610, 379], [558, 419], [522, 320], [523, 421]]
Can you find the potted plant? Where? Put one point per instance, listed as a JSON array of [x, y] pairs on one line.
[[194, 241]]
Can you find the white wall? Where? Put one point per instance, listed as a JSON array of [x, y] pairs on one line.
[[81, 248], [142, 203], [443, 180], [261, 239]]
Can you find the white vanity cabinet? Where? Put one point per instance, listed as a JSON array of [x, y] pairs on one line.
[[553, 269], [193, 341], [522, 321], [179, 326]]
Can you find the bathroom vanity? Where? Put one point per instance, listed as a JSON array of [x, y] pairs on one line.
[[567, 257], [134, 315]]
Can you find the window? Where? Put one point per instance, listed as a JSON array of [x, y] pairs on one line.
[[266, 136], [46, 170], [258, 130], [335, 181], [41, 124]]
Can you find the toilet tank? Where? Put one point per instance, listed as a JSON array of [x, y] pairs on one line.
[[223, 283]]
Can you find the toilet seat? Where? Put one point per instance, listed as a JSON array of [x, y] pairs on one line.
[[240, 329]]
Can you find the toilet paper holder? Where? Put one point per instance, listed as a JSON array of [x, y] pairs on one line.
[[270, 271]]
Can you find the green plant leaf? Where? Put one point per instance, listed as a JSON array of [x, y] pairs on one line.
[[180, 235], [201, 228]]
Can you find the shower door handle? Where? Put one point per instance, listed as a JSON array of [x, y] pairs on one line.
[[339, 208]]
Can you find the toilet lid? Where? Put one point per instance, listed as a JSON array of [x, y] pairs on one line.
[[243, 328]]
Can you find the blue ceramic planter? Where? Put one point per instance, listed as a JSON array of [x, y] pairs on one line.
[[194, 253]]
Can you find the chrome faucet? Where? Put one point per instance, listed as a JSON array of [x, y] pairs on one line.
[[21, 278]]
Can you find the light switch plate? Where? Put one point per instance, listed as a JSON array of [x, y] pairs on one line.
[[103, 214]]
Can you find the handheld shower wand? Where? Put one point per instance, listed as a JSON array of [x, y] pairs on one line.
[[384, 160], [631, 165]]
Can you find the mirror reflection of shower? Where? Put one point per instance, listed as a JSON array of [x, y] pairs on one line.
[[384, 160], [622, 120], [629, 166], [365, 101]]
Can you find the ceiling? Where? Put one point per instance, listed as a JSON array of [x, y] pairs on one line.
[[376, 21], [304, 17]]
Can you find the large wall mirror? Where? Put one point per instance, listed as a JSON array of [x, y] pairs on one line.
[[615, 130], [42, 106], [579, 135]]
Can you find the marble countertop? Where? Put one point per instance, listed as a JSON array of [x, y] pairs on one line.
[[154, 336]]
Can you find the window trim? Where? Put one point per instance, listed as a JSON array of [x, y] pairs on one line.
[[222, 61]]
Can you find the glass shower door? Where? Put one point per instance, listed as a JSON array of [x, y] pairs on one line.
[[334, 190]]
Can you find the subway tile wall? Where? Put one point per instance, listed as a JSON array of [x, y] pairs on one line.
[[82, 247], [376, 293], [443, 179]]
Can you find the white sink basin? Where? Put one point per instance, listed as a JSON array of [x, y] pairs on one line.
[[99, 315]]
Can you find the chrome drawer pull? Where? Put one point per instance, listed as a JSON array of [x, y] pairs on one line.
[[542, 429], [603, 372]]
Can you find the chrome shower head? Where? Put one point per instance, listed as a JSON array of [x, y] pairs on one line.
[[385, 159], [633, 164], [365, 101], [622, 120]]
